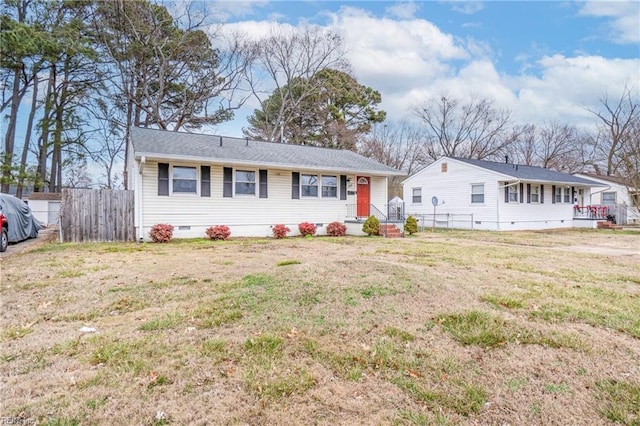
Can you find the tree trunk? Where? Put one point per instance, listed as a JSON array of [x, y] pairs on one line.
[[10, 136], [44, 146], [27, 138]]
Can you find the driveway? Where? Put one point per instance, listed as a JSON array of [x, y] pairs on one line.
[[44, 235]]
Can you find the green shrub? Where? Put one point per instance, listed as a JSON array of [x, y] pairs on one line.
[[371, 226], [411, 225]]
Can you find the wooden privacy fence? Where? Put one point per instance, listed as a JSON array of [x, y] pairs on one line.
[[97, 215]]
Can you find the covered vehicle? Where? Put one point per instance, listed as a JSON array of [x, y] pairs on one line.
[[21, 222]]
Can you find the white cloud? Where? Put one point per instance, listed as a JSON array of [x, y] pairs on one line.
[[465, 6], [404, 10], [568, 85], [394, 54], [225, 10], [410, 60], [624, 26]]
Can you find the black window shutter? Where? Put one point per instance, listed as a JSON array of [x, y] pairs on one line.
[[295, 185], [541, 194], [506, 193], [553, 194], [205, 181], [227, 182], [343, 187], [163, 178], [263, 184], [573, 193], [521, 192], [528, 193]]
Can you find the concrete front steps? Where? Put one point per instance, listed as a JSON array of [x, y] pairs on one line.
[[390, 231], [608, 225]]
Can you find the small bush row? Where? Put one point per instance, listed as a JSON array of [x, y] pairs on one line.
[[162, 232]]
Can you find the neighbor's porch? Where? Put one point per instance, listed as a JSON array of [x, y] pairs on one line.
[[613, 213]]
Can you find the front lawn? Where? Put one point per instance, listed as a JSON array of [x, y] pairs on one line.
[[437, 328]]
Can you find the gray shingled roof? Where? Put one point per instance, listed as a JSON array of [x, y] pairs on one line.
[[162, 144], [529, 173]]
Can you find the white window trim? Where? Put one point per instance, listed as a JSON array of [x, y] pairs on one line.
[[337, 186], [184, 194], [471, 194], [532, 194], [256, 182], [512, 189], [318, 186], [413, 195], [615, 198], [555, 195]]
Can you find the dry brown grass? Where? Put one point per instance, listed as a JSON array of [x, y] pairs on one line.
[[438, 328]]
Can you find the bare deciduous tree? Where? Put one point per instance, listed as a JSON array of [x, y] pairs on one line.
[[614, 140], [552, 146], [399, 145], [472, 128]]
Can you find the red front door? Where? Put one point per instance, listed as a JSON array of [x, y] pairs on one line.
[[362, 196]]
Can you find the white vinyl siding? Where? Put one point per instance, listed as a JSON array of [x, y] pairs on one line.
[[245, 215], [454, 188]]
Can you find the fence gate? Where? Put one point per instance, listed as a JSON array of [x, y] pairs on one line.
[[97, 215]]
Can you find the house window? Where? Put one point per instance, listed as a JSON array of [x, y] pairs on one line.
[[417, 195], [185, 180], [567, 195], [558, 194], [477, 193], [245, 182], [330, 186], [513, 193], [309, 184], [535, 193], [609, 198]]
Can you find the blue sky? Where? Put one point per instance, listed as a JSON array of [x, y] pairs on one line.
[[543, 60]]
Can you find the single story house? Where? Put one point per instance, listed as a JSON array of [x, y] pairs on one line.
[[194, 181], [476, 194], [623, 202]]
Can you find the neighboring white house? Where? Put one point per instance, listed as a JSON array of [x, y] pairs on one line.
[[490, 195], [614, 193], [194, 181]]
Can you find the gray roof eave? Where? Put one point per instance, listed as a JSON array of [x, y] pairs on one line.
[[209, 160]]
